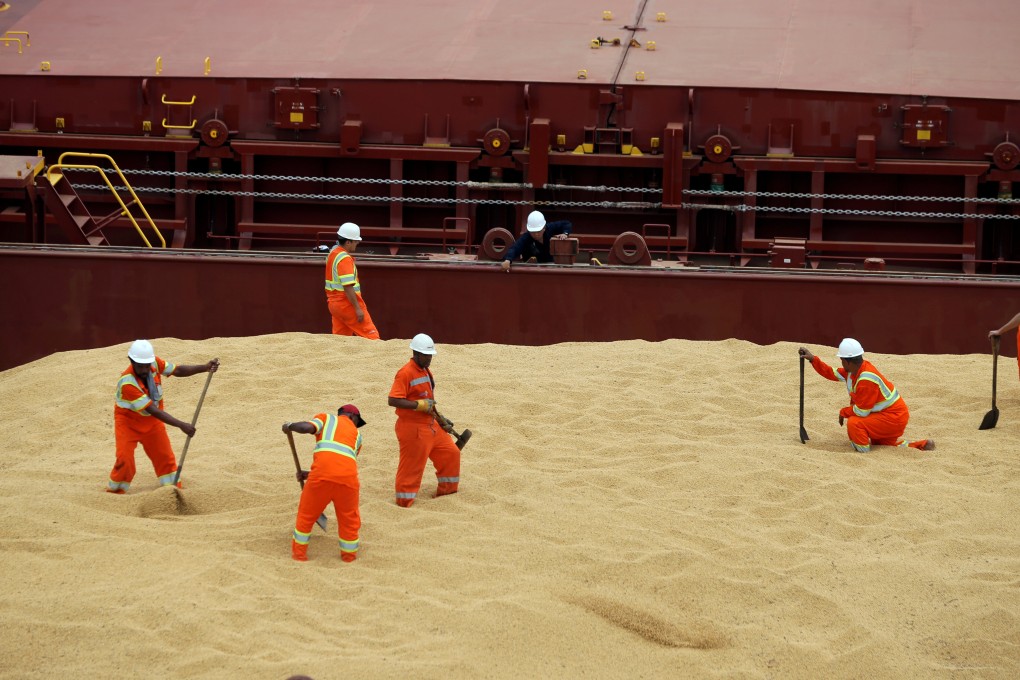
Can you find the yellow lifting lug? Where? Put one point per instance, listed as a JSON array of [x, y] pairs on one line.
[[582, 74], [596, 43], [634, 43], [59, 123], [650, 45], [146, 126], [207, 68], [640, 75], [660, 16], [159, 65], [607, 15], [44, 66]]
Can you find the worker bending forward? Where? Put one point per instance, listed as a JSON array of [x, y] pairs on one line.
[[877, 413], [419, 434], [332, 479], [1013, 323], [343, 288], [138, 415]]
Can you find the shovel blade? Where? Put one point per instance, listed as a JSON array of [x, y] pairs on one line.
[[803, 435], [991, 418], [322, 521]]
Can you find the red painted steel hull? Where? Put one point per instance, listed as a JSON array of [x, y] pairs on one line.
[[62, 299]]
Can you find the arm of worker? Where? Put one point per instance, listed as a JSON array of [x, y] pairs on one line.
[[1010, 325], [303, 427], [187, 371], [412, 404], [159, 414], [822, 368], [559, 229], [514, 251], [353, 299]]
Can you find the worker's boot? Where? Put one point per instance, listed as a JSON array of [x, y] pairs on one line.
[[298, 551], [348, 556]]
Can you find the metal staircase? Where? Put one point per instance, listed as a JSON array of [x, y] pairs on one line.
[[74, 219]]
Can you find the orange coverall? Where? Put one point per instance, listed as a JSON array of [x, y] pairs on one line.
[[333, 478], [421, 439], [341, 271], [132, 425], [877, 413]]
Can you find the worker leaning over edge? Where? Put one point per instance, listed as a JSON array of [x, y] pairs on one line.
[[534, 243], [138, 415], [418, 433], [343, 288], [877, 413], [332, 479], [1010, 325]]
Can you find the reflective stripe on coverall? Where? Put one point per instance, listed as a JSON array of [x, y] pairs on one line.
[[340, 272], [421, 439], [877, 414], [132, 425], [333, 478]]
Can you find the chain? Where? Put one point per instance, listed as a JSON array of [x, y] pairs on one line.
[[856, 197], [630, 205]]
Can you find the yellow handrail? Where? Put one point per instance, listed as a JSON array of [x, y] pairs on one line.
[[180, 127], [170, 103], [7, 41], [60, 165]]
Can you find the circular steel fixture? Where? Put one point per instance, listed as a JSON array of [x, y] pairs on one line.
[[496, 142], [496, 242], [718, 148], [214, 132], [1006, 156]]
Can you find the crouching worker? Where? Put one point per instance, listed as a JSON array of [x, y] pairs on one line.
[[138, 415], [332, 479], [877, 413]]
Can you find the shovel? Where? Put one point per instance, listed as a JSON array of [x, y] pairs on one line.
[[992, 417], [322, 521], [803, 432], [194, 419]]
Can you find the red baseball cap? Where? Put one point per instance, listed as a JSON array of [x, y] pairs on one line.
[[352, 410]]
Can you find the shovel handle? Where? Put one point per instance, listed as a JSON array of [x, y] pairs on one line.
[[995, 365], [293, 451], [194, 419]]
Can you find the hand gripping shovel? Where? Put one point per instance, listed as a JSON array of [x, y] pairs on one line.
[[992, 417], [194, 419], [803, 432], [322, 521]]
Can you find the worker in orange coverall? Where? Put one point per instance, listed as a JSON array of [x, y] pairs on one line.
[[419, 434], [877, 413], [138, 415], [1010, 325], [332, 479], [343, 288]]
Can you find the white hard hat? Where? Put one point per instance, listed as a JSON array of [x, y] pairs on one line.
[[536, 221], [423, 344], [849, 348], [141, 352], [349, 231]]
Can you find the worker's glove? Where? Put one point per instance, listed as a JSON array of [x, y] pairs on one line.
[[444, 422], [425, 405], [302, 476]]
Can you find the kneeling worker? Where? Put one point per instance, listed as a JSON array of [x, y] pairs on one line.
[[420, 436], [877, 413], [332, 479]]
